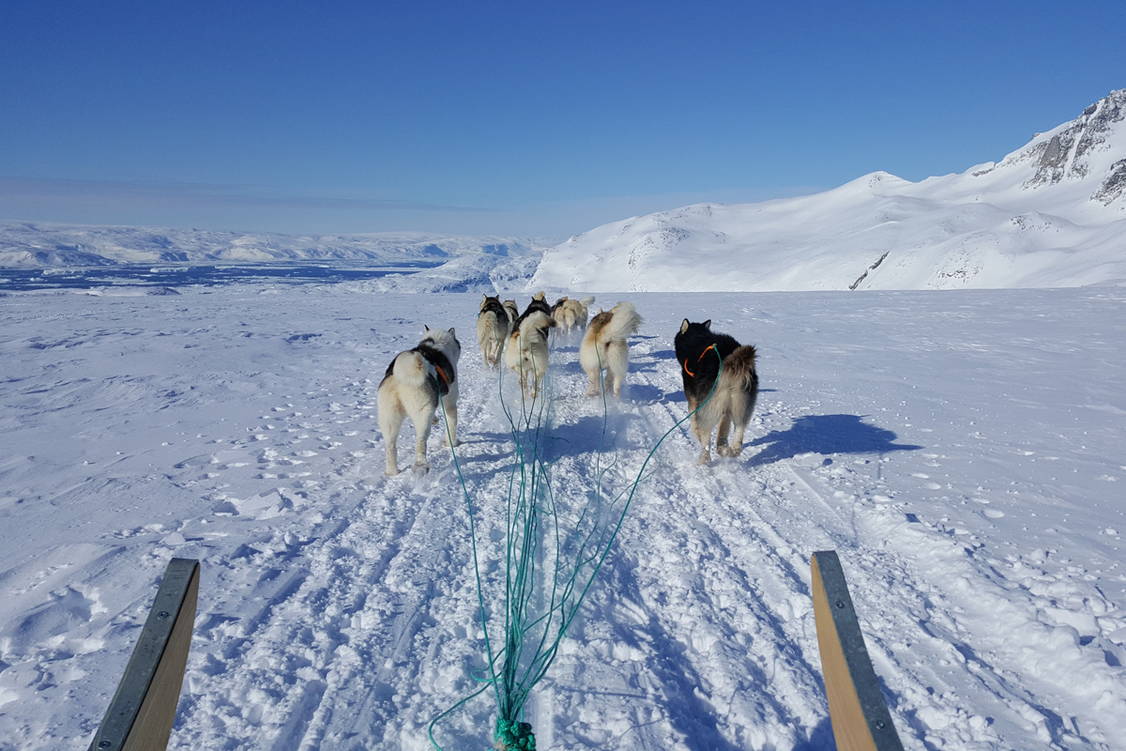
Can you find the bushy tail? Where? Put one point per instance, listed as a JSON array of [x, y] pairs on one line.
[[623, 322], [411, 368], [739, 369]]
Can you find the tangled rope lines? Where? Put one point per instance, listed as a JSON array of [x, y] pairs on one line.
[[554, 546]]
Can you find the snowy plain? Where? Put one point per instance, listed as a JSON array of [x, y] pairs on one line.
[[961, 450]]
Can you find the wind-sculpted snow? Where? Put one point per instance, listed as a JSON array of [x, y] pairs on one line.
[[960, 450], [1051, 214]]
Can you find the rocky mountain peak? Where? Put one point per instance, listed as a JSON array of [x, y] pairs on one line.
[[1066, 155]]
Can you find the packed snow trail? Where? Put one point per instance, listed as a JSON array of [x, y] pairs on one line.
[[959, 450]]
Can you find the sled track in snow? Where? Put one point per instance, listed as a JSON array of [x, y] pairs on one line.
[[699, 634]]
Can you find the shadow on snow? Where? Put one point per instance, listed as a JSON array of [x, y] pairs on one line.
[[826, 434]]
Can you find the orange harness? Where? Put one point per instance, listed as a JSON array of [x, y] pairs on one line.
[[701, 357], [442, 374]]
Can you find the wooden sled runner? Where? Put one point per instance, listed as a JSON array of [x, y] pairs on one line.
[[143, 709], [140, 716], [860, 718]]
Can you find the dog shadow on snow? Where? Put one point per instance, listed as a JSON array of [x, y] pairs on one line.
[[826, 434]]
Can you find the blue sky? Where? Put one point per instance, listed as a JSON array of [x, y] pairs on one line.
[[513, 118]]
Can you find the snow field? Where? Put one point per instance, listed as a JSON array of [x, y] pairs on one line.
[[960, 450]]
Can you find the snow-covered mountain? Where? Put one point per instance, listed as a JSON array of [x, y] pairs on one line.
[[31, 245], [1050, 214]]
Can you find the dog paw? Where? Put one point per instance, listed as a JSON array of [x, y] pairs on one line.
[[391, 471], [705, 458], [421, 468]]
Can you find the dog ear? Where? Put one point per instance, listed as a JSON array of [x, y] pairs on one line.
[[452, 332], [708, 324], [425, 329], [684, 326]]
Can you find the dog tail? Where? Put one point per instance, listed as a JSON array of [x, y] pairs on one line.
[[739, 370], [624, 321], [411, 369]]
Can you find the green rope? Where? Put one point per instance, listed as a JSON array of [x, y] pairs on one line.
[[531, 513], [515, 735]]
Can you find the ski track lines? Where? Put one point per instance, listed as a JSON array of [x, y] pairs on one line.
[[338, 607]]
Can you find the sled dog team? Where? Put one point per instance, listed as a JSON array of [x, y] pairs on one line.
[[420, 379]]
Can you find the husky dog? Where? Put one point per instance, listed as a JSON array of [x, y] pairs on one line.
[[492, 328], [538, 303], [416, 380], [512, 311], [604, 347], [699, 351], [571, 314], [525, 351]]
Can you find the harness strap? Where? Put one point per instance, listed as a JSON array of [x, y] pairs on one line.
[[701, 357]]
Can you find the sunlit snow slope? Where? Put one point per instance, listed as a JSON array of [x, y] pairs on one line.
[[1051, 214]]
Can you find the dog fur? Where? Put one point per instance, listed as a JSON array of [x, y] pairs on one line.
[[492, 328], [733, 399], [512, 311], [414, 384], [526, 352], [538, 303], [571, 314], [604, 347]]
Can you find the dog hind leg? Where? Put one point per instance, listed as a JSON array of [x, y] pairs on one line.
[[421, 420], [721, 445], [390, 422]]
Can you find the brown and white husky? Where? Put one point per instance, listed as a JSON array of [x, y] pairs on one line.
[[605, 347]]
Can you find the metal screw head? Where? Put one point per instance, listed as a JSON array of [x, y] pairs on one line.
[[880, 725], [104, 744], [163, 614], [839, 604]]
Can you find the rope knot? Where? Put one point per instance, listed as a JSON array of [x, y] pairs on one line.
[[514, 736]]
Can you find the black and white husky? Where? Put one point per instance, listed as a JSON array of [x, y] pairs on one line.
[[699, 351], [526, 351], [415, 382], [492, 328]]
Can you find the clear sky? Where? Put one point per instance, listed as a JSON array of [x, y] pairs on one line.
[[525, 118]]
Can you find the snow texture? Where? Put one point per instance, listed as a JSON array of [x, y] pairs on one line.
[[1051, 214], [961, 450]]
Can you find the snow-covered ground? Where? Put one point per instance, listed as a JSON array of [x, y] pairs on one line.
[[962, 451], [1050, 214]]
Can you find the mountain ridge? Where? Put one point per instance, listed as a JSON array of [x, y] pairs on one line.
[[1049, 213]]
